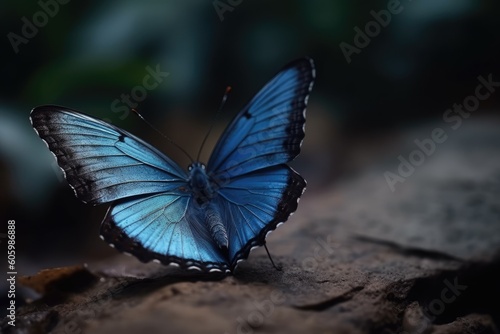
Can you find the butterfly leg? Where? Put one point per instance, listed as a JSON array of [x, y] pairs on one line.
[[270, 258]]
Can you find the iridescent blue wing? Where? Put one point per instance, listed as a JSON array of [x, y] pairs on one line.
[[151, 216], [258, 191], [101, 162], [163, 228], [256, 204], [270, 129]]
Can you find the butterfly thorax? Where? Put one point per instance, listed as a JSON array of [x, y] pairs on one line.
[[200, 184]]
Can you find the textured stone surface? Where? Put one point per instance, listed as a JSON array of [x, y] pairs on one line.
[[356, 258]]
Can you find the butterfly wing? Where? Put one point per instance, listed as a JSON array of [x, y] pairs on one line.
[[258, 191], [270, 129], [151, 216], [256, 204], [163, 228], [101, 162]]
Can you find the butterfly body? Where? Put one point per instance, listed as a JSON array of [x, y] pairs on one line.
[[210, 217], [203, 191]]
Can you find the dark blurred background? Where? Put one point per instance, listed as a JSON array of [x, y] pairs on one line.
[[85, 55]]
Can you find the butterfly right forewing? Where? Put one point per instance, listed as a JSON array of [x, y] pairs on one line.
[[258, 191]]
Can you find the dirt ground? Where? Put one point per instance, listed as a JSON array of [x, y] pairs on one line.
[[355, 258]]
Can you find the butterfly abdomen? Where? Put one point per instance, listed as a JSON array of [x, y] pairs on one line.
[[216, 227]]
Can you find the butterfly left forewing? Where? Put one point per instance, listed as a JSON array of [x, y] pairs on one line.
[[101, 162], [151, 216]]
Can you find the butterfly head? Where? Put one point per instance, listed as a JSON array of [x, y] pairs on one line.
[[200, 184], [196, 165]]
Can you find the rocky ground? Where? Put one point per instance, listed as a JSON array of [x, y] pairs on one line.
[[356, 258]]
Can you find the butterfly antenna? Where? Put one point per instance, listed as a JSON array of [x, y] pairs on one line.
[[270, 258], [163, 135], [224, 98]]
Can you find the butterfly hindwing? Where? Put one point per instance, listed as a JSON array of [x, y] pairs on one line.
[[164, 228], [256, 204]]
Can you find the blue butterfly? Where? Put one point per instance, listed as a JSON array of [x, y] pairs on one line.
[[209, 217]]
